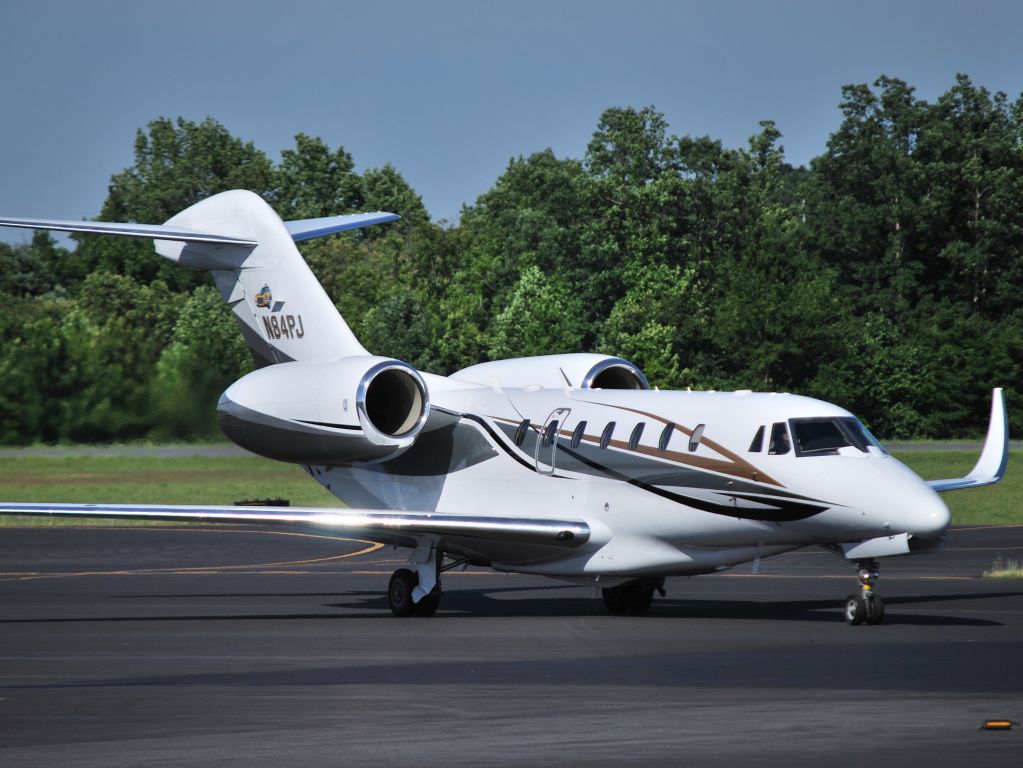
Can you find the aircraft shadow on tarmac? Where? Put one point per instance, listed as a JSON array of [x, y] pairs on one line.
[[488, 604]]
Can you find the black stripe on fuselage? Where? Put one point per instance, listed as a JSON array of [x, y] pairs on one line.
[[787, 507], [493, 434], [328, 424]]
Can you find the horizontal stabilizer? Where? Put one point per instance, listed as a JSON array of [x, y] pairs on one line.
[[306, 229], [152, 231], [377, 525], [994, 457]]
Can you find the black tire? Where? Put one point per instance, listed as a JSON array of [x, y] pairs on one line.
[[855, 609], [399, 592], [428, 605], [639, 599], [615, 598], [875, 612], [633, 597]]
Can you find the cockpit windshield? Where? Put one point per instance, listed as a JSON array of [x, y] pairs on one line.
[[824, 436]]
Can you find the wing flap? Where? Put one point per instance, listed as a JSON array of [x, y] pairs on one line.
[[389, 526], [994, 458]]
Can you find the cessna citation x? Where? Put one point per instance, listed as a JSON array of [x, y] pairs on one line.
[[568, 466]]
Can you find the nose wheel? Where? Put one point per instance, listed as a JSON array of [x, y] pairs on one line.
[[867, 606]]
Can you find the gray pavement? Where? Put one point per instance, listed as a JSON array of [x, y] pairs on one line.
[[196, 646]]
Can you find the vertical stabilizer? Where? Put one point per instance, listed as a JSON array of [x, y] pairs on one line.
[[283, 311]]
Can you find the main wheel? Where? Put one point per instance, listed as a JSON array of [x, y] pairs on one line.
[[632, 597], [640, 598], [855, 609], [615, 598], [428, 605], [399, 592], [875, 612]]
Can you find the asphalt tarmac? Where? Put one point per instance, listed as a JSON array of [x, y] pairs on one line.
[[187, 646]]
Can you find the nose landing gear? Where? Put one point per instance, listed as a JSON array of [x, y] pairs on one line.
[[867, 606]]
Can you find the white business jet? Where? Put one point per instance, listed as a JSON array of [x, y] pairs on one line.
[[568, 466]]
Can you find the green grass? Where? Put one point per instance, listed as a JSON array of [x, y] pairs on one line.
[[1009, 569], [194, 480], [152, 480], [997, 504]]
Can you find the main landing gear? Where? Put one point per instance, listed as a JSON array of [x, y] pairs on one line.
[[399, 594], [867, 606], [633, 596], [418, 592]]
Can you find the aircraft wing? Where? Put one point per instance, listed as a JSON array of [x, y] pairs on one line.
[[994, 457], [390, 527]]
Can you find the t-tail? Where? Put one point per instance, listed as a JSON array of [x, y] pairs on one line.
[[284, 313]]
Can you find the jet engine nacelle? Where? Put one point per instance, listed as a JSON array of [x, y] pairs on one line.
[[339, 412], [582, 370]]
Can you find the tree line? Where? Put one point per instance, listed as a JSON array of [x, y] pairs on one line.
[[885, 276]]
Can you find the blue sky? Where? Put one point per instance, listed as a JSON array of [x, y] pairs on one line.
[[449, 91]]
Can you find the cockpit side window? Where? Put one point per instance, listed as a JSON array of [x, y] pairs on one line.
[[818, 437], [824, 436], [860, 435], [780, 443], [758, 441]]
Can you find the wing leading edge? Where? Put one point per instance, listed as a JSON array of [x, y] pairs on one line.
[[385, 526], [994, 458], [299, 229]]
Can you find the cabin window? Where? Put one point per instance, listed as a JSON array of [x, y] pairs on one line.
[[520, 433], [758, 442], [779, 439], [577, 435], [662, 444], [550, 432], [637, 433], [696, 437], [605, 438]]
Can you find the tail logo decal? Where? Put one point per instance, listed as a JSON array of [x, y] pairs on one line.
[[264, 297]]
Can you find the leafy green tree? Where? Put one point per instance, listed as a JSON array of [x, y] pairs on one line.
[[384, 189], [643, 325], [29, 270], [313, 181], [120, 329], [400, 326], [540, 319], [206, 355], [38, 375]]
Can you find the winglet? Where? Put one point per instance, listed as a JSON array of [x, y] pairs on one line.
[[994, 458], [306, 229]]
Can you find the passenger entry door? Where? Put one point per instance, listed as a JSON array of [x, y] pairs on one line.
[[547, 443]]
